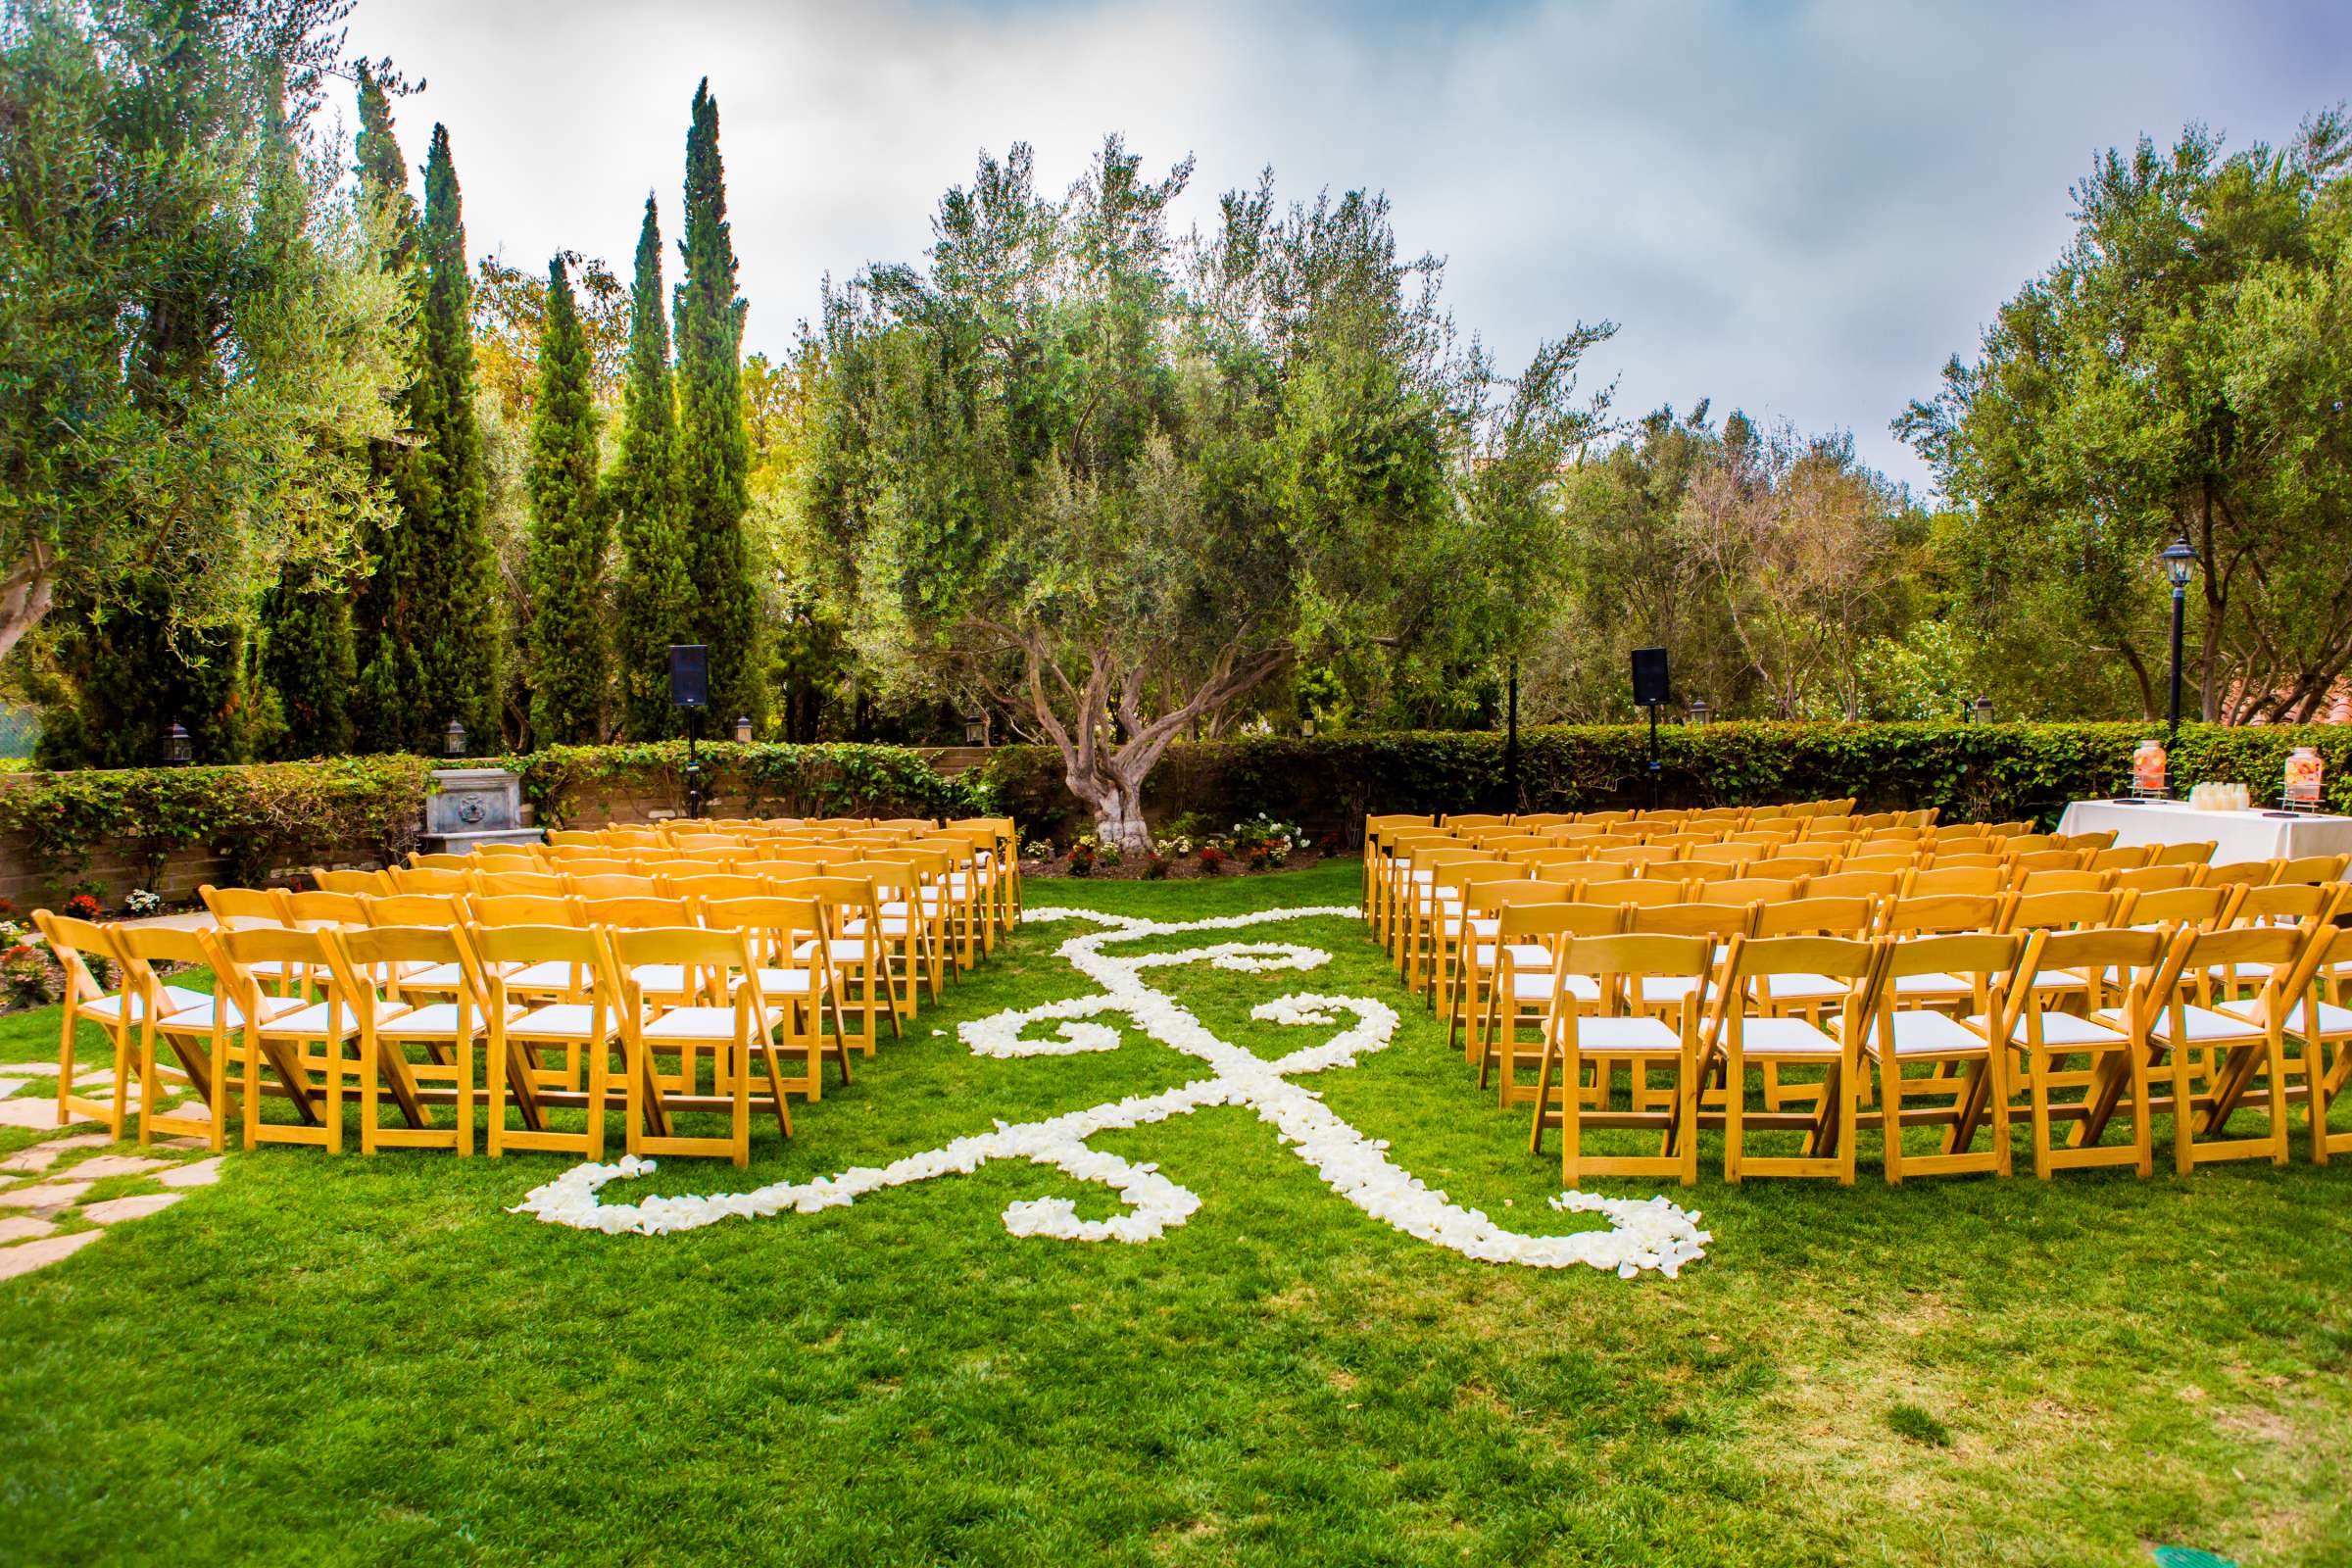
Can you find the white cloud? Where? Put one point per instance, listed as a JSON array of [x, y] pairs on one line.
[[1798, 208]]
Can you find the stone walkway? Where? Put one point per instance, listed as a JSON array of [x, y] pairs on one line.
[[45, 1211]]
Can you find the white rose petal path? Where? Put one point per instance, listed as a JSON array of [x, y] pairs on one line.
[[1643, 1235]]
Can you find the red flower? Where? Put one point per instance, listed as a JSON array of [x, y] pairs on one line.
[[83, 906]]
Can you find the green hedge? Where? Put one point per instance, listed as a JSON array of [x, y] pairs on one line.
[[756, 780], [1993, 772], [257, 818]]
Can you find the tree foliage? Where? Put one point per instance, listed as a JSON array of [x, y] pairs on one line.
[[429, 623], [654, 602], [1109, 482], [2181, 371], [568, 643], [195, 321], [713, 449]]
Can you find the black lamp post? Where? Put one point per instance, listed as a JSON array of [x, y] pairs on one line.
[[176, 750], [2180, 566], [975, 730], [453, 740]]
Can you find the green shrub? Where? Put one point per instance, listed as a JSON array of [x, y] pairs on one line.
[[755, 780], [1993, 772], [257, 818]]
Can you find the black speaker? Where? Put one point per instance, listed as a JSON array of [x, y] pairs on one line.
[[689, 675], [1649, 678]]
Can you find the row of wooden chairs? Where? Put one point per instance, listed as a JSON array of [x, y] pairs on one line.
[[2065, 1024]]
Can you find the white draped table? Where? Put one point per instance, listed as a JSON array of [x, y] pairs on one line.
[[2235, 835]]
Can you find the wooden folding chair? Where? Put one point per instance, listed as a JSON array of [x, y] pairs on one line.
[[391, 1025], [304, 1048], [2192, 855], [854, 947], [326, 881], [2323, 1028], [735, 1032], [1572, 1040], [1528, 984], [1967, 1073], [75, 944], [782, 928], [205, 1034], [1755, 1028], [587, 1031], [2156, 878], [1470, 981]]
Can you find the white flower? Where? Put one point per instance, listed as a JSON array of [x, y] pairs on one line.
[[1649, 1234]]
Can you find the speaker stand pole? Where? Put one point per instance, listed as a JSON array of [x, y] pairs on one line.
[[1510, 748], [693, 765], [1653, 756]]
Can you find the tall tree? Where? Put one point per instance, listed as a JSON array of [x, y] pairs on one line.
[[2183, 370], [655, 598], [308, 659], [196, 320], [567, 655], [431, 635], [1112, 486], [713, 447]]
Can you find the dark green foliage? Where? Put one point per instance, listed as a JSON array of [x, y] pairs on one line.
[[309, 663], [714, 446], [756, 780], [654, 597], [429, 618], [261, 819], [129, 677], [568, 644], [1996, 772]]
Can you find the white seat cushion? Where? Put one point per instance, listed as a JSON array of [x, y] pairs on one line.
[[1626, 1036], [198, 1018], [782, 982], [2334, 1021], [563, 1020], [436, 1020], [2060, 980], [701, 1023], [889, 928], [2062, 1031], [1655, 989], [434, 977], [844, 952], [1801, 988], [1931, 985], [552, 975], [319, 1021], [110, 1007], [1524, 954], [661, 979], [1778, 1037], [1536, 986], [2199, 1026], [1931, 1034]]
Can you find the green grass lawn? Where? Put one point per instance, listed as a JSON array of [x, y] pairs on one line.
[[350, 1359]]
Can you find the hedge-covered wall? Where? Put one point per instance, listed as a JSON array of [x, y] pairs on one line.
[[756, 780], [1992, 772]]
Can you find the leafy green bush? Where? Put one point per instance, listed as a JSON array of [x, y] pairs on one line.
[[755, 780], [1992, 772], [258, 817]]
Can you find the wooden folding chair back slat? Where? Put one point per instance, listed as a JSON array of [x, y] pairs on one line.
[[1939, 914], [2199, 854], [2241, 873], [1975, 881], [611, 885], [2156, 878], [2200, 907], [326, 907], [329, 881], [497, 879], [2035, 882], [2310, 870], [1850, 916]]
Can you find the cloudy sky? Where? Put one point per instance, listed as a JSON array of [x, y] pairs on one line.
[[1798, 208]]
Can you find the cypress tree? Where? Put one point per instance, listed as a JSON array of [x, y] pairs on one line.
[[567, 533], [654, 597], [431, 611], [308, 659], [714, 446]]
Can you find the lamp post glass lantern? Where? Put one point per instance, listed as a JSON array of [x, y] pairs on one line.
[[2180, 566], [177, 748], [1701, 712], [975, 730], [1983, 709], [743, 729], [453, 740]]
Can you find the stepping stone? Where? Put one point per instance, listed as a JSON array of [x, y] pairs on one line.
[[23, 1228], [106, 1166], [25, 1257], [39, 1114], [202, 1173], [45, 1199], [8, 1086], [38, 1069], [182, 1143], [137, 1207], [41, 1156]]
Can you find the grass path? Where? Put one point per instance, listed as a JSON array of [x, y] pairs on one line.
[[362, 1360]]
